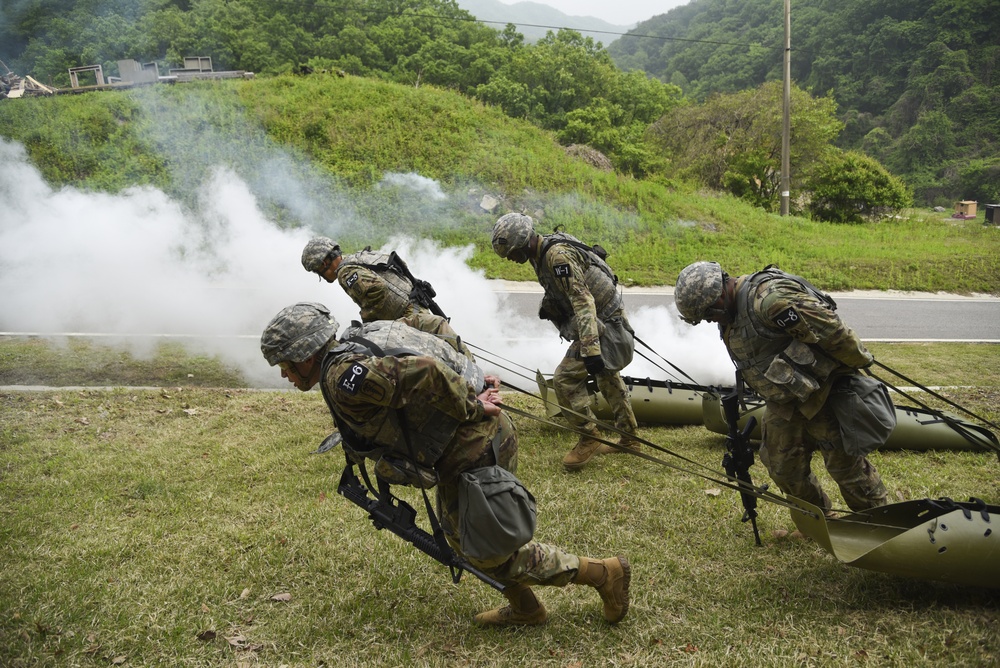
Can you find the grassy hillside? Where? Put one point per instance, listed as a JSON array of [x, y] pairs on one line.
[[315, 147]]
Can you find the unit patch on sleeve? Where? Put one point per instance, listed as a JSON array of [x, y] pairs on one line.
[[350, 381], [561, 271], [787, 318], [351, 280]]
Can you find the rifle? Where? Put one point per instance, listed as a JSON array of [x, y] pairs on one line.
[[739, 456], [422, 293], [553, 311], [400, 518]]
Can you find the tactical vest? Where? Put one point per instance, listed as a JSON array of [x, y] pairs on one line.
[[777, 366], [396, 339], [398, 297], [598, 277], [430, 430]]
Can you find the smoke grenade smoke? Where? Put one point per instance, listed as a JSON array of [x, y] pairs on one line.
[[139, 266]]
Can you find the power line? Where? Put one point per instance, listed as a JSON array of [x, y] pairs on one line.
[[473, 19]]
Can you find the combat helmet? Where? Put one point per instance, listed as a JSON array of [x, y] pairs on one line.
[[297, 333], [511, 232], [699, 286], [316, 252]]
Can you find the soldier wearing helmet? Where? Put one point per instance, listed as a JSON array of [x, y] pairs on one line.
[[384, 377], [791, 347], [379, 283], [583, 301]]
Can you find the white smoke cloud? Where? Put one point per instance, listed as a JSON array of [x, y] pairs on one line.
[[696, 351], [419, 184], [138, 265]]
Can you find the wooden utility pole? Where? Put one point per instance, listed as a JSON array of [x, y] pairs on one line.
[[786, 130]]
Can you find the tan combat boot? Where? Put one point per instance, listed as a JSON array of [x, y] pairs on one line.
[[626, 442], [524, 609], [582, 452], [611, 579]]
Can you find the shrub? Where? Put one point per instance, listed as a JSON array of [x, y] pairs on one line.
[[853, 188]]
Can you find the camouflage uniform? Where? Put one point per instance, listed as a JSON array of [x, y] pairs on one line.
[[577, 285], [366, 392], [402, 404], [791, 348], [376, 287]]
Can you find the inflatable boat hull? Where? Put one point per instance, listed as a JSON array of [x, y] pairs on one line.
[[916, 429], [666, 403], [930, 540], [653, 401]]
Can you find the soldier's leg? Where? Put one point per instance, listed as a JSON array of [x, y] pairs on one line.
[[542, 564], [786, 455], [570, 385], [534, 563], [617, 395], [859, 481]]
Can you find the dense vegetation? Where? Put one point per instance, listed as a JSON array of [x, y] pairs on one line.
[[915, 81], [313, 147], [413, 42], [910, 81]]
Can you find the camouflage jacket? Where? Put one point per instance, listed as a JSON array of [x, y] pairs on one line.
[[580, 285], [789, 343], [380, 291], [375, 398], [419, 334]]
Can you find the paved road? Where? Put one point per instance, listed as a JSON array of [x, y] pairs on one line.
[[875, 316]]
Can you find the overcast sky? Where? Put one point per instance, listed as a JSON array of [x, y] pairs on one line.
[[618, 12]]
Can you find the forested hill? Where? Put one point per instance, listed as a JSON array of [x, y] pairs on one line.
[[908, 83], [534, 19], [917, 82]]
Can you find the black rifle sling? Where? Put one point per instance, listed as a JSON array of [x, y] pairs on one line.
[[422, 290], [439, 538], [595, 249], [456, 572]]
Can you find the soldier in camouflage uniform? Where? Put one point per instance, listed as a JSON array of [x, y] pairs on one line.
[[583, 301], [452, 418], [373, 280], [791, 348]]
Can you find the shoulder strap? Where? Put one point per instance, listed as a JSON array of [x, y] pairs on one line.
[[377, 351], [806, 285], [596, 249]]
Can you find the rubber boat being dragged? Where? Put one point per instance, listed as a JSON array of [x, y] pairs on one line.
[[653, 401], [950, 541], [671, 403], [916, 428]]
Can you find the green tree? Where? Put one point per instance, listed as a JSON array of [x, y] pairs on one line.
[[850, 187], [568, 83], [887, 63], [733, 142]]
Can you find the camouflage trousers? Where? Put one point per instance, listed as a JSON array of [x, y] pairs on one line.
[[532, 564], [570, 385], [787, 449]]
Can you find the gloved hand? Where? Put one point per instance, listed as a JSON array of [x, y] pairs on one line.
[[594, 364]]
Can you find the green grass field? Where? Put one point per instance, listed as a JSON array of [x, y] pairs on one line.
[[193, 526]]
